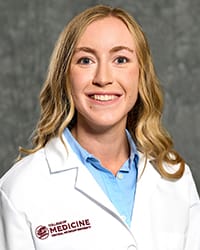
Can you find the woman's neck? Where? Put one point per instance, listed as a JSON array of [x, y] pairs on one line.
[[110, 147]]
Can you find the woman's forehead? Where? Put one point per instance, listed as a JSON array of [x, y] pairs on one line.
[[106, 31]]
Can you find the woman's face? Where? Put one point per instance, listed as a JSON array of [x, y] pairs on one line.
[[104, 75]]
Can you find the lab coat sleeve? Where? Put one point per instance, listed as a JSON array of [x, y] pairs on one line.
[[193, 234], [14, 227]]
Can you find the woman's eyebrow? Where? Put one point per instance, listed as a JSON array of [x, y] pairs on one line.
[[84, 49], [121, 47]]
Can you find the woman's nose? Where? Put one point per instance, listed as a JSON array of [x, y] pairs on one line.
[[103, 75]]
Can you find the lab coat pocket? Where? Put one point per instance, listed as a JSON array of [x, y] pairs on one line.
[[170, 241]]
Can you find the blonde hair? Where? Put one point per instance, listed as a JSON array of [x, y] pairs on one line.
[[144, 120]]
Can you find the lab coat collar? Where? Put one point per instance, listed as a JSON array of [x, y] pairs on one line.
[[58, 156]]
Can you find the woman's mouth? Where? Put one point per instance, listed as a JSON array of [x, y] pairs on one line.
[[104, 98]]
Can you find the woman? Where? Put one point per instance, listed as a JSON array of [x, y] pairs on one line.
[[102, 173]]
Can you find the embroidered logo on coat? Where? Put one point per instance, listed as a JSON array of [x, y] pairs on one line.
[[42, 232], [61, 228]]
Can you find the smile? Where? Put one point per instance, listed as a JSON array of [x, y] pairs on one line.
[[104, 98]]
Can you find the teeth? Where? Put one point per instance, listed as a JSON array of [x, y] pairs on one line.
[[104, 97]]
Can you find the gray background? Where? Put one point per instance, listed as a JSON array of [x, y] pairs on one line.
[[29, 30]]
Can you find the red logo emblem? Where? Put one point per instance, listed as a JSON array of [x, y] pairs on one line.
[[42, 232]]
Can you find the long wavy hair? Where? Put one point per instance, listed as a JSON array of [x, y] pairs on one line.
[[144, 120]]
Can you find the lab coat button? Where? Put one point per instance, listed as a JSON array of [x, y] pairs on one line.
[[131, 247]]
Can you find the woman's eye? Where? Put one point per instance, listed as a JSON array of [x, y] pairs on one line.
[[121, 60], [84, 60]]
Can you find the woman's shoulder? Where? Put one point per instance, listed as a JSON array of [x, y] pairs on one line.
[[23, 171]]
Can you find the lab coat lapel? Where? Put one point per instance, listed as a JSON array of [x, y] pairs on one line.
[[61, 159], [86, 184], [148, 180]]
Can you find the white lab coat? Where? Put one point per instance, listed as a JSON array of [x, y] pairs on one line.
[[49, 201]]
